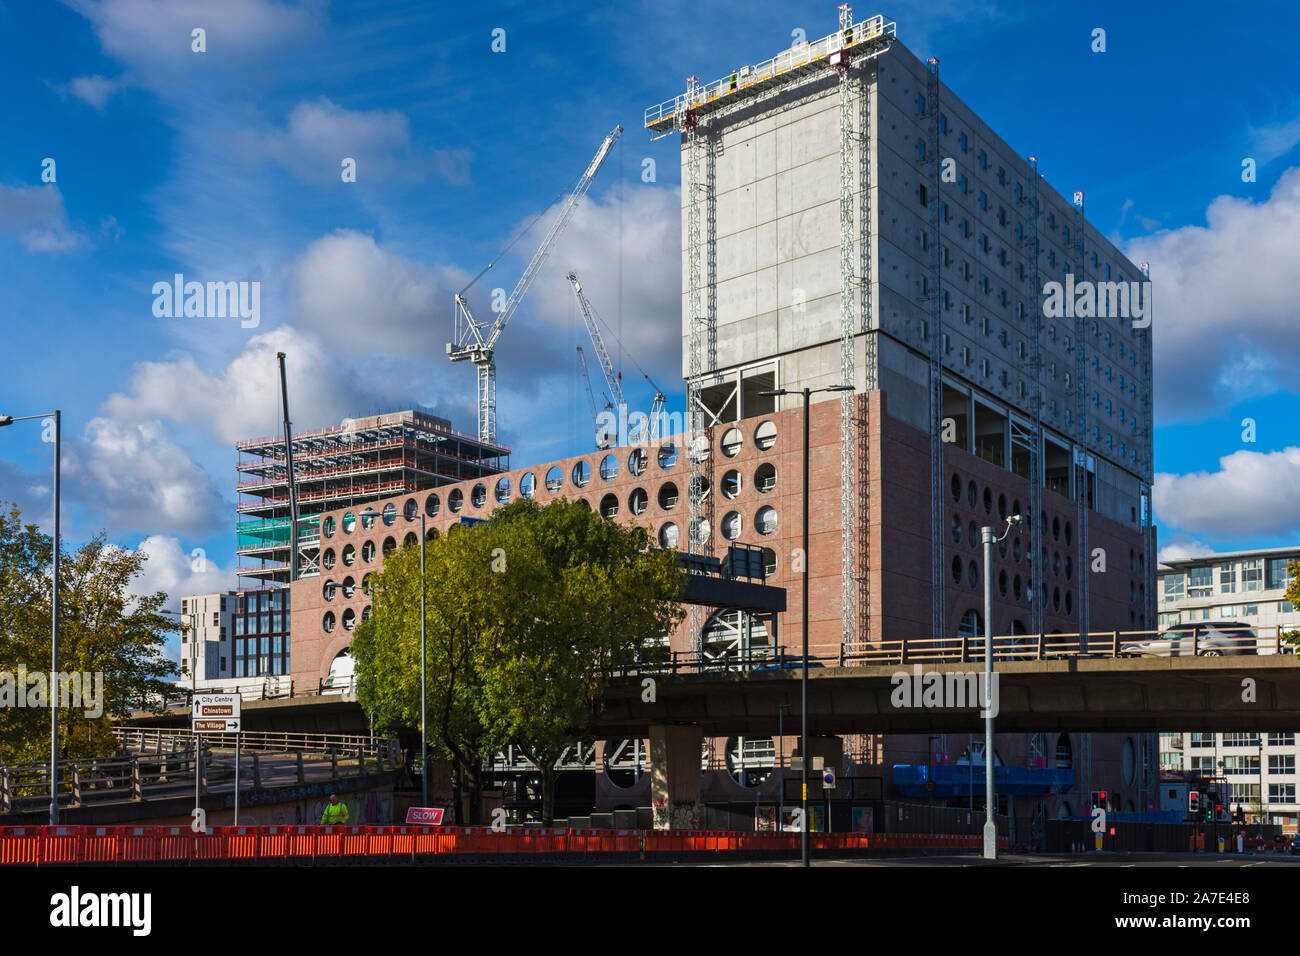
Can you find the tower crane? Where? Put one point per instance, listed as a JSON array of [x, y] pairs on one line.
[[476, 341], [606, 366], [602, 438]]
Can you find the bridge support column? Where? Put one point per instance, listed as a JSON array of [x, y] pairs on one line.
[[675, 751]]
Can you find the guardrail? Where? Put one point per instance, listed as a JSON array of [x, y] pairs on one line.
[[163, 765], [970, 649], [273, 688], [305, 845]]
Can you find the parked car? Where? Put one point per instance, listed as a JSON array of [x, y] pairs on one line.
[[1210, 638], [789, 663]]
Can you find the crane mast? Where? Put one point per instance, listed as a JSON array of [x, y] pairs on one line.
[[606, 366], [475, 341]]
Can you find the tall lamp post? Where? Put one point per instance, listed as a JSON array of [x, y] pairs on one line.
[[990, 827], [54, 611], [424, 739], [807, 394]]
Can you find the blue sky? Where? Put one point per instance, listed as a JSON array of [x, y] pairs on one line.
[[224, 165]]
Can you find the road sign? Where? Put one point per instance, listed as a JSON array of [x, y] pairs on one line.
[[216, 713], [430, 816], [828, 779], [217, 726]]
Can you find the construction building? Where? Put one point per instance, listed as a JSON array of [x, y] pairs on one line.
[[207, 623], [357, 461], [848, 221]]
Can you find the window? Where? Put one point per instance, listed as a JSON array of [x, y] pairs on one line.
[[1249, 610], [1200, 582], [1277, 573], [921, 195], [1281, 763], [984, 160], [1227, 579], [1281, 793], [920, 105], [1174, 586], [1281, 740], [1252, 576], [961, 142], [920, 149]]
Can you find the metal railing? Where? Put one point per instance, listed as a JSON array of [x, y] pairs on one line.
[[156, 764], [272, 688]]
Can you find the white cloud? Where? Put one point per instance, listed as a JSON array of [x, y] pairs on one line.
[[35, 214], [1272, 140], [1251, 493], [1183, 547], [134, 477], [179, 570], [1225, 303], [94, 90]]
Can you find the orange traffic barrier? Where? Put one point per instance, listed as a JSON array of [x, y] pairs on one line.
[[300, 841], [98, 845], [426, 840], [380, 841], [137, 844], [211, 844], [20, 845], [174, 844], [403, 841], [274, 843], [241, 842], [60, 844], [329, 840], [356, 841]]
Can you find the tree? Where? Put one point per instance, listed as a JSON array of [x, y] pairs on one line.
[[588, 596], [526, 614], [104, 631], [1293, 595], [461, 597]]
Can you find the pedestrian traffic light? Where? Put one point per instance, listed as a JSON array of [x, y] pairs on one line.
[[1099, 799], [1193, 801]]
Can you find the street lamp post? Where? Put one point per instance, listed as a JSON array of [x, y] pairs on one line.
[[990, 827], [54, 611], [424, 740], [807, 394]]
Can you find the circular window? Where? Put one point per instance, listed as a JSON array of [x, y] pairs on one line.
[[349, 522], [972, 494], [1069, 568], [327, 527], [1002, 548], [667, 456], [988, 501], [328, 622], [765, 520], [956, 568], [732, 524], [731, 484], [432, 505], [455, 501], [1056, 599], [350, 554], [1016, 587], [581, 474], [389, 546], [328, 590], [1056, 562], [699, 448], [367, 553], [637, 501], [349, 619], [956, 488], [609, 468], [1068, 531], [973, 574], [765, 477], [956, 529], [732, 441], [365, 614], [1015, 549], [527, 484], [609, 506], [699, 488], [1002, 583], [502, 490], [411, 510], [368, 584], [1002, 507], [554, 478], [368, 518], [1069, 600], [668, 496], [668, 536], [765, 436], [973, 535], [700, 530], [411, 539], [478, 495], [390, 515], [328, 558], [1015, 510], [1056, 529], [349, 586], [769, 562], [637, 461], [431, 535]]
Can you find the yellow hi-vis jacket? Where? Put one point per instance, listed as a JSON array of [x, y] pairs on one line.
[[335, 814]]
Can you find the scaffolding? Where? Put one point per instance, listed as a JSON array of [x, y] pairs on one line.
[[350, 464]]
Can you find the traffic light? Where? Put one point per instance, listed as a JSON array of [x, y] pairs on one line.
[[1193, 801], [1099, 799]]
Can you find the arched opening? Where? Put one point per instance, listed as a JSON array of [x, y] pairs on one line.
[[734, 638]]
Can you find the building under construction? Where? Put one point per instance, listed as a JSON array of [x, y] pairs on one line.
[[357, 461]]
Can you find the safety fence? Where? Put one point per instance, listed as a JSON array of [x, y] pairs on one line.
[[64, 845]]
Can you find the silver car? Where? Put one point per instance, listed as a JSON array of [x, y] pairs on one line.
[[1209, 638]]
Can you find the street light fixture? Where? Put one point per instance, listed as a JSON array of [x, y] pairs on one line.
[[54, 611], [990, 827], [807, 393]]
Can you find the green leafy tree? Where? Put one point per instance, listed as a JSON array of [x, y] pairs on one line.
[[104, 629], [1293, 595], [525, 616], [587, 596]]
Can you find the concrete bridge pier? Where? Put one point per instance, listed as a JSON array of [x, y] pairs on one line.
[[675, 751]]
